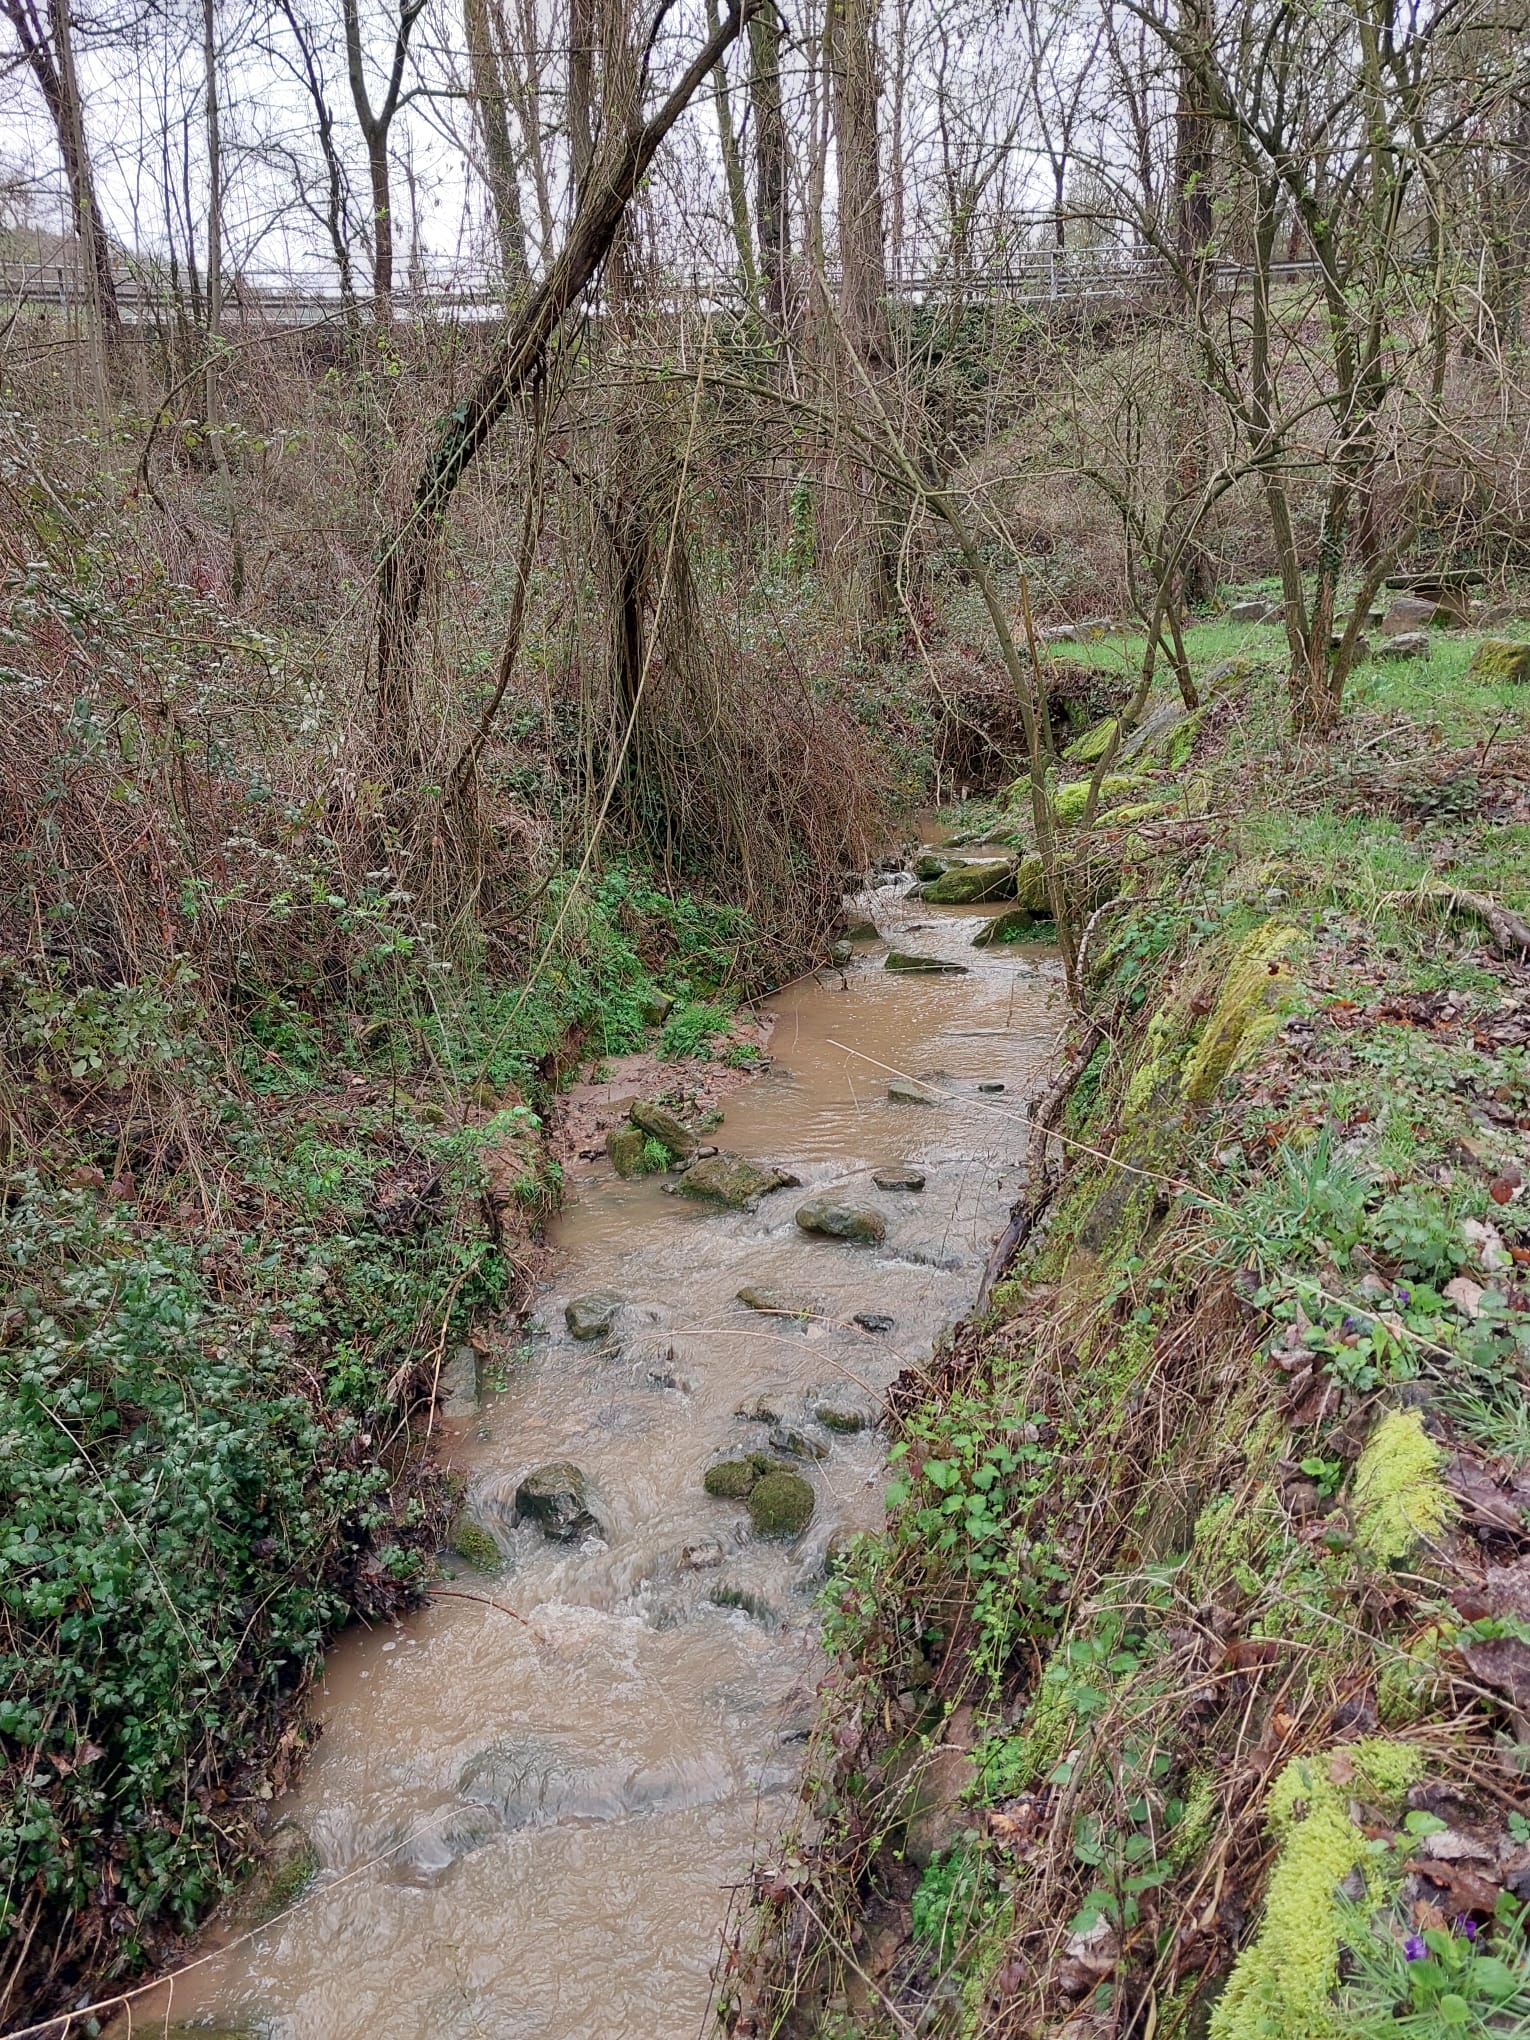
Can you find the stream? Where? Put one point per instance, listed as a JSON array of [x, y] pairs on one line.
[[531, 1830]]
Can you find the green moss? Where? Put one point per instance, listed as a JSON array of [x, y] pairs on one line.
[[1281, 1987], [1133, 811], [780, 1505], [473, 1544], [1247, 1011], [1069, 802], [731, 1480], [1093, 744], [1412, 1682], [1398, 1494], [1164, 1037], [1497, 660]]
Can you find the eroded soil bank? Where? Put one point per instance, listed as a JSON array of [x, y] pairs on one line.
[[531, 1822]]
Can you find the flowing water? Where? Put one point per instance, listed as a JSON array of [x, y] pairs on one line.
[[533, 1830]]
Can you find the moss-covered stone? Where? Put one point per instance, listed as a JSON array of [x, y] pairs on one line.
[[1133, 811], [665, 1126], [731, 1480], [625, 1145], [842, 1220], [1031, 886], [1500, 660], [780, 1505], [288, 1864], [1283, 1983], [475, 1546], [965, 885], [1013, 925], [1069, 802], [1093, 744], [1255, 988], [730, 1179], [1399, 1495]]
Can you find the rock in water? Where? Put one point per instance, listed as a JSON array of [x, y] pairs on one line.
[[624, 1144], [929, 867], [909, 1091], [965, 884], [702, 1556], [730, 1480], [862, 931], [840, 1407], [773, 1302], [797, 1443], [556, 1498], [730, 1179], [874, 1321], [1006, 927], [842, 1220], [840, 954], [592, 1316], [931, 966], [664, 1126], [898, 1179], [780, 1505]]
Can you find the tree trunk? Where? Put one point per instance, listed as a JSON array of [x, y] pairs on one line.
[[49, 53], [491, 104], [513, 366], [771, 203]]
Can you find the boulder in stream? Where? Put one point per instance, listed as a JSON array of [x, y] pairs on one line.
[[702, 1556], [664, 1126], [840, 953], [780, 1505], [1009, 926], [898, 1179], [862, 931], [840, 1219], [457, 1389], [922, 966], [841, 1406], [732, 1180], [731, 1480], [963, 885], [909, 1091], [556, 1497], [874, 1321], [774, 1303], [797, 1443], [592, 1316], [625, 1145], [928, 867]]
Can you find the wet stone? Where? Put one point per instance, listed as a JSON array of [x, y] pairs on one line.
[[874, 1321], [862, 931], [933, 966], [731, 1180], [797, 1443], [764, 1408], [625, 1144], [1005, 927], [839, 1406], [730, 1480], [665, 1126], [592, 1316], [964, 884], [780, 1505], [841, 1220], [991, 1086], [898, 1179], [702, 1556], [928, 867], [840, 953], [556, 1497], [909, 1091], [774, 1303]]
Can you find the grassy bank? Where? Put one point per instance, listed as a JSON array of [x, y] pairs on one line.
[[1186, 1691]]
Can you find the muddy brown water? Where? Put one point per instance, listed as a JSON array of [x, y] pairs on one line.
[[534, 1831]]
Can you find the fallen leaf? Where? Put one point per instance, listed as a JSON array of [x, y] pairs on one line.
[[1466, 1888], [1465, 1294], [1502, 1662], [1500, 1190]]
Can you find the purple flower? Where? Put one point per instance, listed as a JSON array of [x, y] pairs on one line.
[[1403, 1294], [1414, 1948], [1466, 1928]]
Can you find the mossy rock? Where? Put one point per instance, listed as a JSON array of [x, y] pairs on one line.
[[1134, 811], [475, 1546], [1031, 886], [1500, 660], [862, 931], [1400, 1499], [780, 1505], [922, 966], [592, 1317], [665, 1126], [287, 1866], [1013, 925], [928, 867], [732, 1480], [731, 1180], [1091, 747], [1069, 802], [556, 1497], [1256, 986], [841, 1220], [626, 1145], [966, 885]]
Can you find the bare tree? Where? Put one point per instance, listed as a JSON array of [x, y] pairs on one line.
[[376, 124], [491, 108]]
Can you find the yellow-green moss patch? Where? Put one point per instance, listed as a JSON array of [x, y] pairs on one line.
[[1399, 1495], [1248, 1008], [1283, 1984]]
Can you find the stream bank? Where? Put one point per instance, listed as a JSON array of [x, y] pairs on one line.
[[530, 1822]]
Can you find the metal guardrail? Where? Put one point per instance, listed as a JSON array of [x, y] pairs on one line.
[[255, 297]]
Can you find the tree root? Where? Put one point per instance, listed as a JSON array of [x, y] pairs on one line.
[[1509, 933]]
